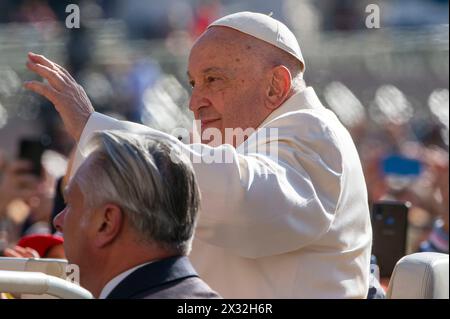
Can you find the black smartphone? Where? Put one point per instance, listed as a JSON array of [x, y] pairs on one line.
[[32, 150], [389, 226]]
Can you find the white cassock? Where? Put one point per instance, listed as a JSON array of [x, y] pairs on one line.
[[296, 226]]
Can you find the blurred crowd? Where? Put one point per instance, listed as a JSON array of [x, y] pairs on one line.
[[390, 124]]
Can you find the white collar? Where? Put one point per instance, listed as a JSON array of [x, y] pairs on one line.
[[117, 280], [305, 99]]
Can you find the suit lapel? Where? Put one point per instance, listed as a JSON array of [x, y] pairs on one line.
[[153, 275]]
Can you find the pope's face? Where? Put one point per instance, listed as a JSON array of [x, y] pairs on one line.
[[227, 83]]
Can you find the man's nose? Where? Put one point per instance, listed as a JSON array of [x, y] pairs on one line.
[[193, 103], [197, 101], [58, 221]]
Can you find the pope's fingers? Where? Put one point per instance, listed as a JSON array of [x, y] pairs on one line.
[[37, 58], [53, 77], [43, 89], [66, 73]]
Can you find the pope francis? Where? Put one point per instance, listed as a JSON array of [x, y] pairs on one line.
[[289, 223]]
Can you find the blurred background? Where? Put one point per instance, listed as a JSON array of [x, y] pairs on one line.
[[389, 86]]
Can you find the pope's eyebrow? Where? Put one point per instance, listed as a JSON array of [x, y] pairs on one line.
[[215, 69]]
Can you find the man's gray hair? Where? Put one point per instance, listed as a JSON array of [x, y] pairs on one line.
[[159, 195]]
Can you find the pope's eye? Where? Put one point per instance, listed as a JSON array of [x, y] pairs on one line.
[[211, 79]]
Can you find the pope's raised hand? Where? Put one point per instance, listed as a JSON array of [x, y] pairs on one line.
[[68, 97]]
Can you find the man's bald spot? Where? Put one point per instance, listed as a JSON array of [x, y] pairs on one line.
[[251, 47]]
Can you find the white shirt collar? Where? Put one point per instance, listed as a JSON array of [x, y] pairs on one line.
[[117, 280]]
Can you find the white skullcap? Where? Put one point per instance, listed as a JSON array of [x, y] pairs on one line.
[[264, 28]]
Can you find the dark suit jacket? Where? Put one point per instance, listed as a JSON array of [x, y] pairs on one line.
[[172, 278]]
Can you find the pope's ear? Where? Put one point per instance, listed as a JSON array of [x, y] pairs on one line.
[[109, 224], [279, 85]]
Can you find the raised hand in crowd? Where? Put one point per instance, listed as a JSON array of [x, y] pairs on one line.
[[69, 98]]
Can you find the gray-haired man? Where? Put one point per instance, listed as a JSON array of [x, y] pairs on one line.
[[129, 220]]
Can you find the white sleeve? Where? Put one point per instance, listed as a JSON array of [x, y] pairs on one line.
[[100, 122], [254, 205], [257, 206]]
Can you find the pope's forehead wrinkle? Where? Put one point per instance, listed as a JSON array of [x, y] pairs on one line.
[[226, 72], [214, 69]]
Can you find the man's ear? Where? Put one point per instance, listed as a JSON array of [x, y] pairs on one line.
[[108, 225], [280, 81]]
